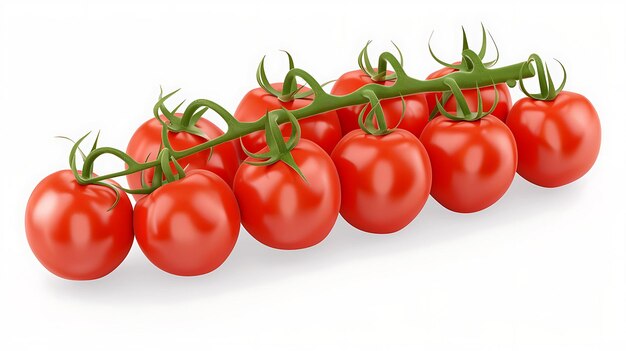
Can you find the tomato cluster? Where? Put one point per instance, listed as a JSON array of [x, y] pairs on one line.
[[374, 164]]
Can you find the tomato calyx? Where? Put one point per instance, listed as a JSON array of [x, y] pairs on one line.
[[162, 171], [547, 91], [176, 124], [466, 65], [463, 112], [278, 148], [290, 90], [470, 61], [366, 122], [379, 74], [86, 173]]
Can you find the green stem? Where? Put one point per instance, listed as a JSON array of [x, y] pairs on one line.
[[478, 76]]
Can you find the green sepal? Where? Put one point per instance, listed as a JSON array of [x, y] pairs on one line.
[[464, 66], [82, 154], [278, 149], [547, 92], [366, 123], [463, 112], [290, 90], [379, 74], [176, 124], [82, 181]]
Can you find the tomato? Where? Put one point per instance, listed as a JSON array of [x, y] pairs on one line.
[[385, 180], [71, 230], [282, 210], [473, 162], [487, 94], [146, 143], [189, 226], [558, 141], [415, 116], [323, 129]]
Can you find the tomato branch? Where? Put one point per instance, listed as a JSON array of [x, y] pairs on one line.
[[477, 75]]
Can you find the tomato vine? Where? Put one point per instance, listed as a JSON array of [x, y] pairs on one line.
[[475, 74]]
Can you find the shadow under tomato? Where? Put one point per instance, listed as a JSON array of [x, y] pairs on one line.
[[252, 264]]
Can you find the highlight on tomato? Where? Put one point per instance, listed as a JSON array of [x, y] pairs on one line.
[[323, 129], [385, 175], [190, 224], [183, 132], [473, 156], [498, 96], [557, 132], [415, 106], [288, 193]]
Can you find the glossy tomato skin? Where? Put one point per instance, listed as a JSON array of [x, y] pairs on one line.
[[416, 113], [323, 129], [558, 141], [385, 180], [71, 230], [487, 94], [473, 162], [280, 209], [190, 226], [146, 144]]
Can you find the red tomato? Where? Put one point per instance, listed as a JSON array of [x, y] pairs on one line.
[[473, 162], [190, 226], [487, 94], [385, 180], [323, 129], [416, 110], [282, 210], [71, 230], [224, 160], [558, 141]]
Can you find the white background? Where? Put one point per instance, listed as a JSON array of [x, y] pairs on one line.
[[543, 269]]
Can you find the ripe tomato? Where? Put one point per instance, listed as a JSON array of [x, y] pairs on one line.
[[282, 210], [146, 144], [473, 162], [558, 141], [323, 129], [385, 180], [415, 116], [487, 94], [190, 226], [71, 230]]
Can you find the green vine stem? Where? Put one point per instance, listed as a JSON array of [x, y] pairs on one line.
[[477, 75]]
